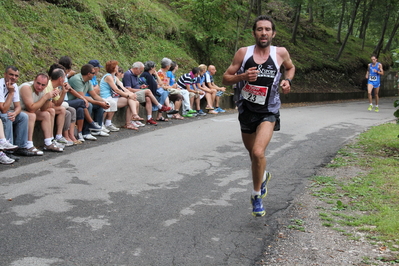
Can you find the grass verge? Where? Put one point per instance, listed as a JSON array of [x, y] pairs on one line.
[[367, 201]]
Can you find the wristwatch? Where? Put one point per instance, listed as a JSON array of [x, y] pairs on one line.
[[289, 80]]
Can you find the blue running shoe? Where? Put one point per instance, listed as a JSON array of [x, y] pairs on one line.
[[257, 206], [200, 112], [220, 110], [263, 188]]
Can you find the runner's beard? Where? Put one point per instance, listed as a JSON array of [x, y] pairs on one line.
[[261, 44]]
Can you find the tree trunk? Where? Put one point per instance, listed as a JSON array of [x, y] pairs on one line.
[[259, 7], [349, 30], [297, 17], [251, 6], [341, 21], [378, 47], [238, 33], [393, 33], [310, 11], [366, 18]]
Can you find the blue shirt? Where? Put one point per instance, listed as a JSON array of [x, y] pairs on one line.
[[105, 88], [172, 78]]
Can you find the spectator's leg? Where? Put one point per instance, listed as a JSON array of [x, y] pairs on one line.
[[20, 131]]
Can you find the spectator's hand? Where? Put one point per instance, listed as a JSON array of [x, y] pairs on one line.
[[86, 102], [223, 88], [11, 116], [55, 93], [10, 87], [132, 96], [104, 105], [49, 95], [201, 92], [66, 87]]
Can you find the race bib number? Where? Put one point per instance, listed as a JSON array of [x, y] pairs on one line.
[[373, 78], [255, 94]]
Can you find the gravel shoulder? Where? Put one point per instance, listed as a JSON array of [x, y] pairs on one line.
[[315, 244]]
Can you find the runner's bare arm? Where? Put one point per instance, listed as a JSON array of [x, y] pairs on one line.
[[230, 77], [381, 69], [289, 69]]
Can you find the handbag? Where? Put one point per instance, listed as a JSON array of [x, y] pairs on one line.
[[114, 94], [173, 91]]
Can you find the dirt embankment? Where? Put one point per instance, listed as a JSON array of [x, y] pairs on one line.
[[328, 80]]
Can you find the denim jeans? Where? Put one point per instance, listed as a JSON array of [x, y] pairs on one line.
[[16, 132], [161, 97], [79, 106], [97, 113]]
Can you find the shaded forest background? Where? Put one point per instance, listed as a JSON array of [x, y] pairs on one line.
[[330, 41]]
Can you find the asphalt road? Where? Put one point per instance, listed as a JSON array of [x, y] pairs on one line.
[[175, 194]]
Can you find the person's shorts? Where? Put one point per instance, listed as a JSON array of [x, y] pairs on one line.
[[113, 104], [140, 96], [375, 84], [249, 121], [219, 93]]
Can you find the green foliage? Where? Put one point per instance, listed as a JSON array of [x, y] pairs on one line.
[[35, 33], [396, 113], [207, 23]]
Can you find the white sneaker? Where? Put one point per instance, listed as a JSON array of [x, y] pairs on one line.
[[112, 128], [7, 146], [100, 133], [89, 137], [139, 124], [104, 129], [62, 140], [58, 144], [69, 143], [80, 137], [4, 159], [52, 147]]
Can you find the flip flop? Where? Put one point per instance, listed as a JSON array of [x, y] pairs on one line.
[[130, 126], [177, 117]]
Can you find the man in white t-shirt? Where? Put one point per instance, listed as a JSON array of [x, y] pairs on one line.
[[15, 122]]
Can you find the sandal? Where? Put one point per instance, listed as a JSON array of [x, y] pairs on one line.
[[130, 126], [162, 119], [209, 107], [178, 117], [136, 117]]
